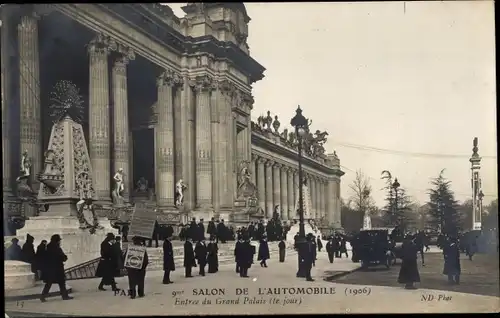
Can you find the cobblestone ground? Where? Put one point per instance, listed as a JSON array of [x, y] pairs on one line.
[[249, 295], [479, 276]]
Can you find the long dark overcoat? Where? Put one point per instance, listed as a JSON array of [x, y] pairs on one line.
[[189, 260], [451, 260], [213, 258], [53, 270], [168, 256], [107, 268], [408, 274], [263, 251]]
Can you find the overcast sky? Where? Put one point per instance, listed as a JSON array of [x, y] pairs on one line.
[[416, 77]]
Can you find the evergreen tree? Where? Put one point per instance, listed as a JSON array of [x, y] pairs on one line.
[[443, 208], [398, 207]]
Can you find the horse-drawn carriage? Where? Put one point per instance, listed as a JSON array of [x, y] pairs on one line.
[[373, 247]]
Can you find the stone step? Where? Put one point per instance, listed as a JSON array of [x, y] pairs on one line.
[[17, 267]]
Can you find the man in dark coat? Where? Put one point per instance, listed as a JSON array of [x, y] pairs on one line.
[[251, 230], [330, 249], [168, 260], [189, 260], [182, 232], [200, 231], [452, 266], [28, 252], [221, 232], [295, 238], [40, 258], [125, 229], [246, 257], [336, 245], [200, 252], [263, 254], [213, 257], [118, 255], [54, 269], [212, 230], [238, 248], [192, 230], [343, 247], [260, 230], [137, 277], [420, 243], [107, 264], [14, 251], [307, 255], [315, 253], [282, 250], [319, 243], [408, 274], [156, 234]]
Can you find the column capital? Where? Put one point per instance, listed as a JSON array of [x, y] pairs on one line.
[[286, 168], [125, 54], [203, 83], [269, 163], [169, 77], [227, 88], [261, 160], [277, 165], [102, 44], [255, 157]]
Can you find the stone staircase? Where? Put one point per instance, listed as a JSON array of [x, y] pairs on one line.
[[18, 275], [226, 254]]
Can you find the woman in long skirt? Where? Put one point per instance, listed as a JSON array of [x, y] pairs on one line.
[[408, 274]]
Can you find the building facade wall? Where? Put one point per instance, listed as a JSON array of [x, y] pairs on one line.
[[208, 94]]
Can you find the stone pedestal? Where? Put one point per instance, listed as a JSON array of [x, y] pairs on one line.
[[69, 174], [18, 275], [79, 245]]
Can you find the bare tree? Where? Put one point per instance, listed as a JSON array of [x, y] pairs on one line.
[[361, 198]]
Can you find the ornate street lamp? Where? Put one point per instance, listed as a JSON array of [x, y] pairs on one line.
[[395, 186], [301, 125]]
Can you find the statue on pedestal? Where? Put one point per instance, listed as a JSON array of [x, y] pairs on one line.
[[180, 187], [142, 185], [246, 189], [119, 187], [25, 165]]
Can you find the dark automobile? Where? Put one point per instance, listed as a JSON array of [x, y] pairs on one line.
[[373, 247]]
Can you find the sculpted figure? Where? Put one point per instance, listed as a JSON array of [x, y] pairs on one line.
[[180, 187], [119, 186], [142, 185], [49, 162], [25, 164], [284, 134], [245, 186], [276, 124], [268, 120]]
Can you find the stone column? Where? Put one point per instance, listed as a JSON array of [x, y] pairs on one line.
[[330, 203], [253, 169], [29, 89], [321, 190], [295, 188], [99, 49], [227, 90], [188, 141], [203, 87], [164, 139], [290, 195], [269, 189], [120, 116], [6, 105], [276, 186], [284, 193], [317, 190], [261, 183], [216, 149], [337, 219], [312, 191]]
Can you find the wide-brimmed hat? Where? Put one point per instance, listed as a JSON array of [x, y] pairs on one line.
[[110, 236]]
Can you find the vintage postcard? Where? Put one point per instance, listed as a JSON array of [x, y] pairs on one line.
[[249, 158]]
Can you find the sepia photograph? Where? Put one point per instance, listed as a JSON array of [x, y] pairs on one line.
[[231, 158]]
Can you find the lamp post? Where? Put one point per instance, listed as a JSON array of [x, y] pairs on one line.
[[395, 186], [301, 125]]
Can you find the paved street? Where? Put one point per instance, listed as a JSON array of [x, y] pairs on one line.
[[479, 276], [334, 297]]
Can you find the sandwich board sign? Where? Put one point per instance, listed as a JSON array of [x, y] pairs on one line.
[[143, 221]]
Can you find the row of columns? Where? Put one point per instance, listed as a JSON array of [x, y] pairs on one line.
[[278, 185]]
